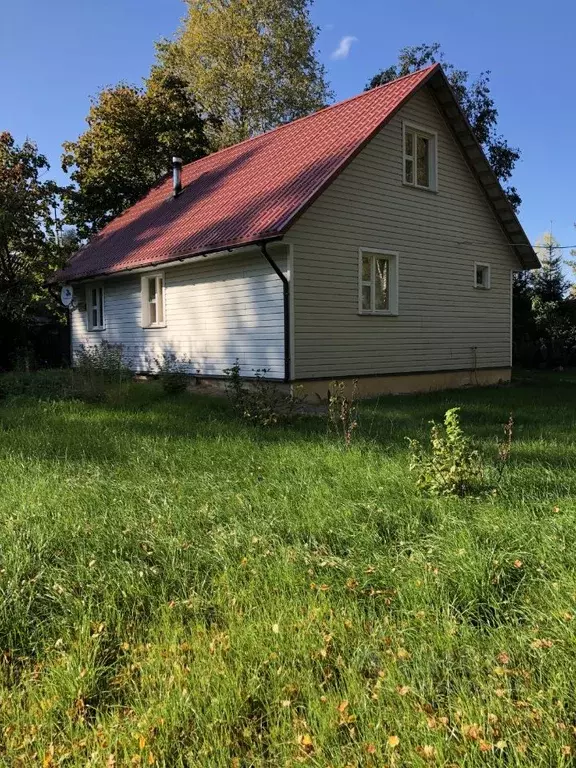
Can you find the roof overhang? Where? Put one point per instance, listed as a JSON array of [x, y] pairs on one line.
[[170, 261], [482, 170]]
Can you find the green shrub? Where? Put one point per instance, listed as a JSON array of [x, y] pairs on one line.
[[260, 400], [104, 360], [172, 373], [453, 466]]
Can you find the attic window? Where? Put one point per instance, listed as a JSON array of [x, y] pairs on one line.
[[419, 148]]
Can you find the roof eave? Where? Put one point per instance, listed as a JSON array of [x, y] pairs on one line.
[[174, 259], [480, 167]]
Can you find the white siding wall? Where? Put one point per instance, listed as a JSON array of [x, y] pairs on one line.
[[441, 315], [217, 310]]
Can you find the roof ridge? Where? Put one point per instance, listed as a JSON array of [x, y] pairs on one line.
[[314, 114]]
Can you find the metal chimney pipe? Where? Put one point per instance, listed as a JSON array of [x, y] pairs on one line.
[[176, 176]]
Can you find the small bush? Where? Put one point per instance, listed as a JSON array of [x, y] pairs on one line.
[[343, 410], [260, 401], [172, 373], [453, 466], [100, 372], [104, 360]]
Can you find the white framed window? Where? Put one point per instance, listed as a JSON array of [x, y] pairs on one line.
[[153, 301], [481, 275], [420, 157], [378, 282], [95, 307]]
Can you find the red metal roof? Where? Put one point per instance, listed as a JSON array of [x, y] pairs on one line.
[[246, 193]]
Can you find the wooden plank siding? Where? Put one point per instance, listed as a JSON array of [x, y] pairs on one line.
[[441, 315], [217, 310]]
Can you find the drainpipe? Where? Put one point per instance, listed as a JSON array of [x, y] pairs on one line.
[[286, 296]]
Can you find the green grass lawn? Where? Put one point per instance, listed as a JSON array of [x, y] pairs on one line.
[[179, 588]]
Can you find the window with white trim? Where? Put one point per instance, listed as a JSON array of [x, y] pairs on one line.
[[419, 148], [481, 275], [378, 289], [153, 315], [95, 307]]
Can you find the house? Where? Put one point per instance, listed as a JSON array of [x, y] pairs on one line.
[[370, 240]]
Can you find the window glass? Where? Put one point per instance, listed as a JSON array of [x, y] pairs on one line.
[[160, 299], [95, 308], [409, 143], [152, 300], [482, 276], [381, 286], [366, 268], [409, 171], [423, 161], [419, 158], [366, 298], [378, 283]]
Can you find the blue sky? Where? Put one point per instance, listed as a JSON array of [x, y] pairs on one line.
[[54, 55]]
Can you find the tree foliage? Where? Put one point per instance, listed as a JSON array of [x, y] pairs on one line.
[[544, 320], [548, 283], [29, 252], [476, 101], [131, 137], [250, 63]]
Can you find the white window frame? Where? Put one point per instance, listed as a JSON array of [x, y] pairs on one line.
[[432, 137], [100, 307], [487, 284], [146, 303], [393, 272]]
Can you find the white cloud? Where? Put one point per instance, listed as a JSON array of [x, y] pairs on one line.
[[344, 48]]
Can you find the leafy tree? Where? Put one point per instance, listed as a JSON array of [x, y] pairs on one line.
[[476, 101], [548, 283], [250, 63], [29, 252], [572, 264], [131, 137]]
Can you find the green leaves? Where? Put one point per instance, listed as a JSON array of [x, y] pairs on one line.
[[28, 250], [131, 137], [453, 467], [250, 63]]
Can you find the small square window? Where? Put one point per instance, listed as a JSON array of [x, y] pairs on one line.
[[153, 301], [378, 292], [419, 158], [481, 276], [95, 307]]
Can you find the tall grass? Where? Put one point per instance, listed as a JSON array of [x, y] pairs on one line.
[[180, 588]]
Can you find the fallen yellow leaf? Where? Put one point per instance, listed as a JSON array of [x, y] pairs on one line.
[[393, 741]]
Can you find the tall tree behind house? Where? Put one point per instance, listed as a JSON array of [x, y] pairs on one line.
[[251, 64]]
